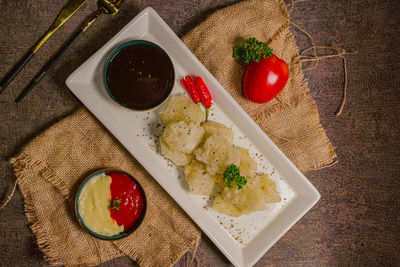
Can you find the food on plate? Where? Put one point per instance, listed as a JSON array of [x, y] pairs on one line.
[[212, 164], [139, 75], [221, 205], [198, 90], [198, 179], [232, 177], [265, 75], [216, 128], [204, 94], [182, 136], [188, 84], [255, 195], [177, 157], [248, 166], [217, 153], [181, 108], [110, 203]]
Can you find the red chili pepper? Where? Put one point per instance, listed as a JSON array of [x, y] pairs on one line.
[[191, 89], [204, 94]]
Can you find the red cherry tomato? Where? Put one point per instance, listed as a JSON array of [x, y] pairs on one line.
[[263, 80]]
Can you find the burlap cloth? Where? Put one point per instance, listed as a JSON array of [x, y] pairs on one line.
[[50, 168]]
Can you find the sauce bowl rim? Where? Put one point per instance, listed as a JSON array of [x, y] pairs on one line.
[[131, 43], [122, 234]]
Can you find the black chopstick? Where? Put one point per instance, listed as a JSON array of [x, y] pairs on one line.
[[50, 65]]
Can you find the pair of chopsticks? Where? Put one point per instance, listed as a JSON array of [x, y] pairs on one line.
[[68, 10]]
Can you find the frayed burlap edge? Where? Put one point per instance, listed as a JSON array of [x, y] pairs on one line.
[[306, 99], [20, 164], [23, 163], [295, 97]]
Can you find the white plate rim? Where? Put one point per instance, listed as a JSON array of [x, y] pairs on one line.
[[309, 199]]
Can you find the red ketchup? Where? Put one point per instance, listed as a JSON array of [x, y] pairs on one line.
[[131, 207]]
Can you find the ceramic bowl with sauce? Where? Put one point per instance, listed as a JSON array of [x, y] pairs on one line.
[[139, 75], [110, 204]]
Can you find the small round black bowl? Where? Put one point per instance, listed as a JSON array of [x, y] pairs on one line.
[[139, 75], [120, 235]]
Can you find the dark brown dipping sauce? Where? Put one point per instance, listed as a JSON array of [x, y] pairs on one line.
[[140, 76]]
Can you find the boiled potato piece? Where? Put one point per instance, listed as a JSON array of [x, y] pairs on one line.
[[205, 150], [264, 190], [268, 186], [248, 166], [255, 195], [182, 136], [217, 153], [177, 157], [199, 180], [219, 180], [181, 108], [223, 206], [216, 128], [246, 199]]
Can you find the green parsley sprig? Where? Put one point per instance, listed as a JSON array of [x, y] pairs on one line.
[[114, 205], [252, 50], [232, 174]]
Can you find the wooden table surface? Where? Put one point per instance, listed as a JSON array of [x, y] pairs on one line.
[[357, 220]]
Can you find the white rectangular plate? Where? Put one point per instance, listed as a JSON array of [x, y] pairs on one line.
[[243, 240]]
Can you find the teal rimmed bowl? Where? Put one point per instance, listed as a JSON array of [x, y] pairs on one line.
[[127, 87], [120, 235]]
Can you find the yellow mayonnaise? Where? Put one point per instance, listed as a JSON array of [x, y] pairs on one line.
[[94, 201]]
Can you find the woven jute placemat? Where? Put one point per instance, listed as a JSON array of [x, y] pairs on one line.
[[50, 168], [291, 119]]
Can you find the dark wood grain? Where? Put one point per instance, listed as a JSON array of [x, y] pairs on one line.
[[356, 222]]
